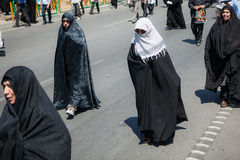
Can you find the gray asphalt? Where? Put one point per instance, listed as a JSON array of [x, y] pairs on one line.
[[111, 132]]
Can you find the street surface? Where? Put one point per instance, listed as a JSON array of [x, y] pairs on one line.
[[111, 132]]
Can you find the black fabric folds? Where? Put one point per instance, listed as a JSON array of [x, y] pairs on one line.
[[73, 82], [5, 6], [31, 128], [175, 17], [222, 51], [32, 10], [158, 95]]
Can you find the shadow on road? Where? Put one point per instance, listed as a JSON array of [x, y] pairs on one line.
[[211, 97], [208, 96], [132, 123], [191, 41], [2, 53]]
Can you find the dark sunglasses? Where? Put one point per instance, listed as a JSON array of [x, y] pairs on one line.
[[67, 21], [138, 31]]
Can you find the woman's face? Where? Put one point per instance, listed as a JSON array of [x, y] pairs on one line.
[[140, 31], [8, 92], [226, 15], [66, 23]]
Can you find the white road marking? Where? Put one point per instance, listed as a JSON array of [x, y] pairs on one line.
[[198, 152], [202, 145], [214, 127], [113, 24], [217, 122], [223, 112], [221, 117], [206, 139], [211, 133]]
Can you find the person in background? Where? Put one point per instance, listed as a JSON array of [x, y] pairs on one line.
[[157, 84], [30, 126], [222, 56], [22, 7], [32, 10], [46, 6], [197, 28], [114, 4], [220, 5], [4, 6], [81, 4], [144, 7], [73, 84], [135, 4], [92, 6], [77, 13], [236, 6], [175, 18], [151, 6]]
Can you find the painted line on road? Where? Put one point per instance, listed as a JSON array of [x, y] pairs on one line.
[[202, 146], [211, 133], [113, 24], [12, 29]]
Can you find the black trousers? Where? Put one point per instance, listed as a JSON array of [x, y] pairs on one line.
[[77, 10], [22, 7], [144, 8], [81, 4], [197, 30], [92, 7]]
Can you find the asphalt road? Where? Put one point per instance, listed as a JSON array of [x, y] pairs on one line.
[[111, 132]]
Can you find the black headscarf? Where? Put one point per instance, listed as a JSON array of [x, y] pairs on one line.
[[72, 71], [221, 49], [32, 127]]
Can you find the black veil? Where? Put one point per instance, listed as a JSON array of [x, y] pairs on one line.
[[73, 82], [32, 127]]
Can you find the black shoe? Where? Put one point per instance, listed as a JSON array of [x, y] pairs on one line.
[[50, 22], [168, 28], [35, 22], [28, 25], [15, 26], [91, 13], [44, 23]]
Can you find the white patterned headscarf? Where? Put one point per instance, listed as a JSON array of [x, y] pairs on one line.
[[149, 44]]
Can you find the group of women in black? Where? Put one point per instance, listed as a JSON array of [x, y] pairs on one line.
[[31, 128]]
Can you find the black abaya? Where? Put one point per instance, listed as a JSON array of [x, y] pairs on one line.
[[158, 96], [31, 128], [73, 84], [175, 17], [222, 52]]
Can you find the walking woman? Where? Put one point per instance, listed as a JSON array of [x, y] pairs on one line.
[[30, 126], [156, 83], [222, 51], [73, 84]]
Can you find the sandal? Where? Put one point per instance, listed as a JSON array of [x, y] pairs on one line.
[[146, 140], [223, 104]]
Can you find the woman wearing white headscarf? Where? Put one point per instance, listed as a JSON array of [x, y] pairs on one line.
[[156, 83]]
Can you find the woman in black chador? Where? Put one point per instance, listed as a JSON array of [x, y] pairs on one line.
[[30, 126], [73, 85], [175, 17], [157, 85], [222, 52]]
